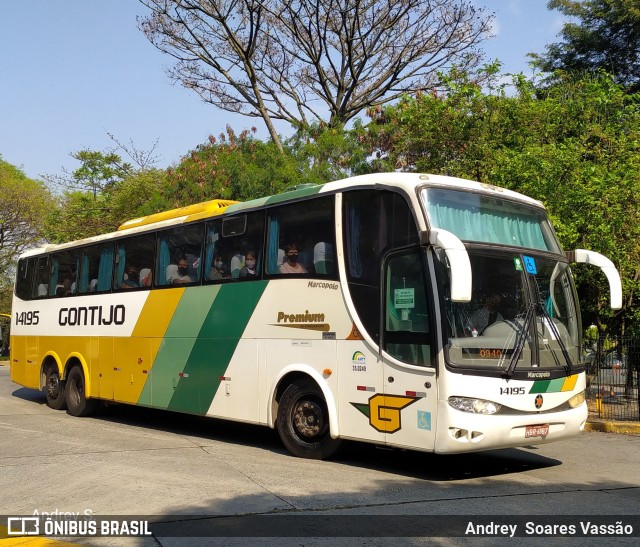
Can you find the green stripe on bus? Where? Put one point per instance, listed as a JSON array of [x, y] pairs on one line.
[[294, 194], [547, 386], [216, 342], [278, 198], [246, 205], [183, 329]]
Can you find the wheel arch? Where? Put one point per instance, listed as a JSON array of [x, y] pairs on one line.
[[49, 359], [291, 374], [76, 359]]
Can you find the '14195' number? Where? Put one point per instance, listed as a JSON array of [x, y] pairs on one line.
[[27, 318], [512, 391]]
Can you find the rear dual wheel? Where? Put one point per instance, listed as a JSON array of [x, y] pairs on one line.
[[77, 402], [54, 389]]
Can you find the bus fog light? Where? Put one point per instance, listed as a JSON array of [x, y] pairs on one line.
[[475, 406], [576, 400]]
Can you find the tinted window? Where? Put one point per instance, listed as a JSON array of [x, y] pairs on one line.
[[375, 222], [180, 255], [24, 278], [134, 261], [301, 238], [96, 269], [41, 281], [63, 280], [234, 248]]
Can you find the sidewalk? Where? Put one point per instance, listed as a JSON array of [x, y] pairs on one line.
[[609, 426]]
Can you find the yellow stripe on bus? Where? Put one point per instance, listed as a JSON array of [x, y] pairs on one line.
[[570, 383], [156, 314]]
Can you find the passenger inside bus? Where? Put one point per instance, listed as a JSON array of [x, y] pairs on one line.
[[131, 278], [248, 271], [291, 264], [218, 269], [178, 274], [488, 314]]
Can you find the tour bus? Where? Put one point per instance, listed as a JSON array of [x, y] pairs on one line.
[[408, 310]]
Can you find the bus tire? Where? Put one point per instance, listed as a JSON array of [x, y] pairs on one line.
[[303, 421], [54, 389], [77, 403]]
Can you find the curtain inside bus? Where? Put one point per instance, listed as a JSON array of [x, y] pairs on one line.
[[273, 245], [488, 226], [164, 259], [105, 269]]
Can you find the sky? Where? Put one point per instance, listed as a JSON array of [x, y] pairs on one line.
[[74, 71]]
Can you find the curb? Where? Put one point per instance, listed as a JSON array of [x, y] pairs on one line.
[[613, 427]]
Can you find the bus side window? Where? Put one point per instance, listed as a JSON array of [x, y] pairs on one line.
[[24, 278], [96, 269], [179, 255], [229, 243], [374, 222], [132, 255], [63, 280], [306, 231], [41, 281]]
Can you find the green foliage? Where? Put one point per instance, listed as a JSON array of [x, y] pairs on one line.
[[24, 204], [81, 214], [602, 35], [575, 146], [99, 171], [235, 167], [329, 153], [138, 194], [78, 215]]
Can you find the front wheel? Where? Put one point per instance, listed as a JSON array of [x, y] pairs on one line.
[[303, 422], [54, 389], [77, 402]]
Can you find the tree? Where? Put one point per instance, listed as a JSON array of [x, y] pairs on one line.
[[234, 166], [603, 35], [98, 172], [575, 146], [24, 204], [311, 61]]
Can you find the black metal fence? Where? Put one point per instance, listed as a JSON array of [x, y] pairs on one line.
[[613, 379]]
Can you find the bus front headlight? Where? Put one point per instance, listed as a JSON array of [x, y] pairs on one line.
[[475, 406], [576, 400]]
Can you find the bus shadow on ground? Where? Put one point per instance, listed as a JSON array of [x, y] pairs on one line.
[[408, 463], [31, 395]]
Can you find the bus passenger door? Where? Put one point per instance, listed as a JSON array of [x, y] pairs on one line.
[[407, 412]]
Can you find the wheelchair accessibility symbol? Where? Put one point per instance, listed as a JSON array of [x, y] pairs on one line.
[[424, 420]]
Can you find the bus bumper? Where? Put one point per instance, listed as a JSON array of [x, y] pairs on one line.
[[460, 432]]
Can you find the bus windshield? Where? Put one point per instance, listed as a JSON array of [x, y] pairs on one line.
[[489, 219], [523, 314]]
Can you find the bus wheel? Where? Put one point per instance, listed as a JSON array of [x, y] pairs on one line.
[[54, 389], [303, 422], [77, 403]]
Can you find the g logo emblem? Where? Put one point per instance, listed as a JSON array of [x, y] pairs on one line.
[[384, 411]]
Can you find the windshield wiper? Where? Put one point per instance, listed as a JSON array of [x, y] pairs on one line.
[[563, 348], [520, 340]]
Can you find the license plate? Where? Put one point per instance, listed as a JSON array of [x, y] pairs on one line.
[[536, 431]]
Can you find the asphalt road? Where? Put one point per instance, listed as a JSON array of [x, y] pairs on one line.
[[134, 461]]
